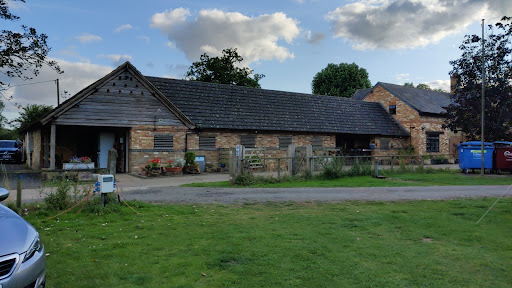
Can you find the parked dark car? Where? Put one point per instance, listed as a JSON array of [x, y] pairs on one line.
[[11, 151]]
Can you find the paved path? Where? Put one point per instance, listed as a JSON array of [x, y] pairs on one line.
[[241, 195], [167, 190]]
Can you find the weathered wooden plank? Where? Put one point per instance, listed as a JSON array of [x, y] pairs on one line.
[[124, 109]]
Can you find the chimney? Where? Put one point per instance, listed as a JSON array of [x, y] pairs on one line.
[[454, 80]]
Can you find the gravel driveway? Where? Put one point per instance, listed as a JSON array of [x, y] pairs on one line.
[[241, 195]]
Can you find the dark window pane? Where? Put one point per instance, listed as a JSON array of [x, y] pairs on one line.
[[284, 142], [206, 143], [163, 141], [248, 141]]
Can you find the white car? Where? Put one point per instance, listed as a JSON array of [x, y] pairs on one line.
[[22, 259]]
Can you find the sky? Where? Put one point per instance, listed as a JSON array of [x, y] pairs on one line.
[[288, 41]]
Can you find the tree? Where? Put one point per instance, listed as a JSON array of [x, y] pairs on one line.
[[30, 114], [223, 70], [4, 132], [409, 84], [464, 113], [423, 86], [340, 80], [22, 54]]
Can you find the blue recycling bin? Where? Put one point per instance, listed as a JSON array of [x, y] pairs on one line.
[[470, 156]]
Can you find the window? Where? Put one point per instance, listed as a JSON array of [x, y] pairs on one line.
[[206, 143], [392, 109], [248, 141], [384, 144], [433, 141], [163, 141], [317, 142], [284, 142]]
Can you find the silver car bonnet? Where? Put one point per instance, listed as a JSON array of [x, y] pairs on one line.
[[16, 234]]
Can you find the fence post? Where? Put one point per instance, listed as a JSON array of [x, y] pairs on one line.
[[392, 162], [309, 157], [240, 156], [374, 160], [278, 167], [232, 168], [18, 190], [291, 158]]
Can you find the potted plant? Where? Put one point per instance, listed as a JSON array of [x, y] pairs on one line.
[[155, 167], [78, 163], [177, 166], [190, 163]]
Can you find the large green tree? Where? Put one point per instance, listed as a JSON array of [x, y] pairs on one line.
[[340, 80], [464, 113], [30, 114], [22, 53], [223, 70]]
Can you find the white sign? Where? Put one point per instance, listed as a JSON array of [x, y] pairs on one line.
[[237, 153]]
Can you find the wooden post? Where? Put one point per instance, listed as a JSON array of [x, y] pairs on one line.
[[112, 161], [18, 190], [53, 137], [291, 158], [278, 167], [232, 168], [46, 148], [309, 157]]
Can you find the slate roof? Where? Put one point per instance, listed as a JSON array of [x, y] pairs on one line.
[[422, 100], [220, 106], [361, 93]]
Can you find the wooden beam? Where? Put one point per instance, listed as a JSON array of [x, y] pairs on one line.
[[53, 136]]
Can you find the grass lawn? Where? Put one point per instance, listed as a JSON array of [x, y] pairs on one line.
[[349, 244], [437, 178]]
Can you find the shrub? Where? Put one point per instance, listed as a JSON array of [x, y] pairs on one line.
[[190, 158], [60, 199], [334, 169], [245, 179]]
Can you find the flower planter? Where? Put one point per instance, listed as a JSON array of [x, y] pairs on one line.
[[155, 172], [173, 169], [77, 166]]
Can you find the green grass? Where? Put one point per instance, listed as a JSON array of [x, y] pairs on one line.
[[435, 178], [349, 244]]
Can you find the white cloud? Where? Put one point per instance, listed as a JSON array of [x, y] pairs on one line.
[[117, 59], [439, 84], [171, 44], [123, 27], [76, 76], [88, 38], [390, 24], [211, 31], [402, 77]]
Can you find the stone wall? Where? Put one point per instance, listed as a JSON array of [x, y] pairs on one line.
[[417, 125]]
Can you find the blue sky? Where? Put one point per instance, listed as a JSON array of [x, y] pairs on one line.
[[288, 41]]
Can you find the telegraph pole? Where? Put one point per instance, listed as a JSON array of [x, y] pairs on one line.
[[58, 97], [483, 100]]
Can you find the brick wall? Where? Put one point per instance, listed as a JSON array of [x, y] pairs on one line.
[[226, 139], [141, 144], [417, 125]]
